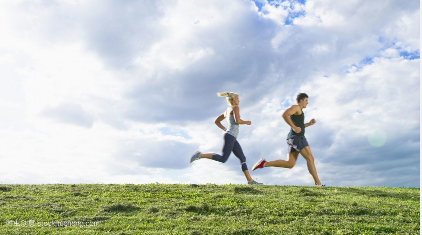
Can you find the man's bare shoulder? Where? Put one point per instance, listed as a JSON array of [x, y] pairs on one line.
[[295, 107]]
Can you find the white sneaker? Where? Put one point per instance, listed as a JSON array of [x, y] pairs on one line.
[[195, 156]]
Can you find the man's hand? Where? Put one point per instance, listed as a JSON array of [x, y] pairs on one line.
[[248, 123], [312, 122], [297, 129]]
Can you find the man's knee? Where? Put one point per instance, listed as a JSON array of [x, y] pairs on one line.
[[290, 164], [291, 159], [310, 158]]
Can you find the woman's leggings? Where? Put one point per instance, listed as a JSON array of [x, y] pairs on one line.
[[231, 144]]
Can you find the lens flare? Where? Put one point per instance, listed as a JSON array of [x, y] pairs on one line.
[[377, 137]]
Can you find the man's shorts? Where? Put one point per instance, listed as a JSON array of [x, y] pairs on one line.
[[296, 144]]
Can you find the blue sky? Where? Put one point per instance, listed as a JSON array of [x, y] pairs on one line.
[[123, 92]]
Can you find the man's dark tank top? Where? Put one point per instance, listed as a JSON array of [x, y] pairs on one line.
[[299, 121]]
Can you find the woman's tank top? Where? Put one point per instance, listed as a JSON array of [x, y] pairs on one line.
[[233, 127], [299, 121]]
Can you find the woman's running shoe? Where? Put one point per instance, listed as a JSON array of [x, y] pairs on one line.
[[253, 182], [195, 156]]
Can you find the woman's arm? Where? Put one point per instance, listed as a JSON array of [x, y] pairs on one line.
[[236, 113], [218, 121]]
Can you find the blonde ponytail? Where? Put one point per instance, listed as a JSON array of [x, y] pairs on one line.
[[230, 96], [223, 94]]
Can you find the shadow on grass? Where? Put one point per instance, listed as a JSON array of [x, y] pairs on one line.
[[126, 208], [200, 209], [68, 213], [79, 194], [246, 190], [153, 210], [205, 209], [380, 193], [307, 192], [19, 197], [5, 189]]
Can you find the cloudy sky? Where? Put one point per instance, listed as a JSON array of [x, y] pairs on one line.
[[125, 91]]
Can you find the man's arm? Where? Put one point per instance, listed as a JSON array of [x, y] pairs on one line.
[[218, 121], [312, 122], [286, 116]]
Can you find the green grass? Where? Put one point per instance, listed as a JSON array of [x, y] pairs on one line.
[[208, 209]]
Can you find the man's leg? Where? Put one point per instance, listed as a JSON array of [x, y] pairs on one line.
[[291, 161], [306, 153]]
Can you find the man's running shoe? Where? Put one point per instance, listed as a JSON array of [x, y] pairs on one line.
[[195, 156], [259, 164], [322, 185], [253, 182]]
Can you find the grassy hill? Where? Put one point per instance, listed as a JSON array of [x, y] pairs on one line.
[[207, 209]]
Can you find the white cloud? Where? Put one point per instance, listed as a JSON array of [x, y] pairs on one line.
[[390, 52], [143, 78], [70, 113], [405, 31]]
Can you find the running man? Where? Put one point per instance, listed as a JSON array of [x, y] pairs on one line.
[[296, 141], [230, 135]]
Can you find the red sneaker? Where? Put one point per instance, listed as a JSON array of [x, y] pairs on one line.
[[259, 164]]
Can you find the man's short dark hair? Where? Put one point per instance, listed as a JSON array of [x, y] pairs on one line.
[[300, 97]]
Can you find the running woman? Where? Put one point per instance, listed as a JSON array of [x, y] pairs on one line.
[[230, 136], [296, 141]]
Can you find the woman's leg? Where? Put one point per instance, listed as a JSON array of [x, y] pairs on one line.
[[229, 141], [238, 152]]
